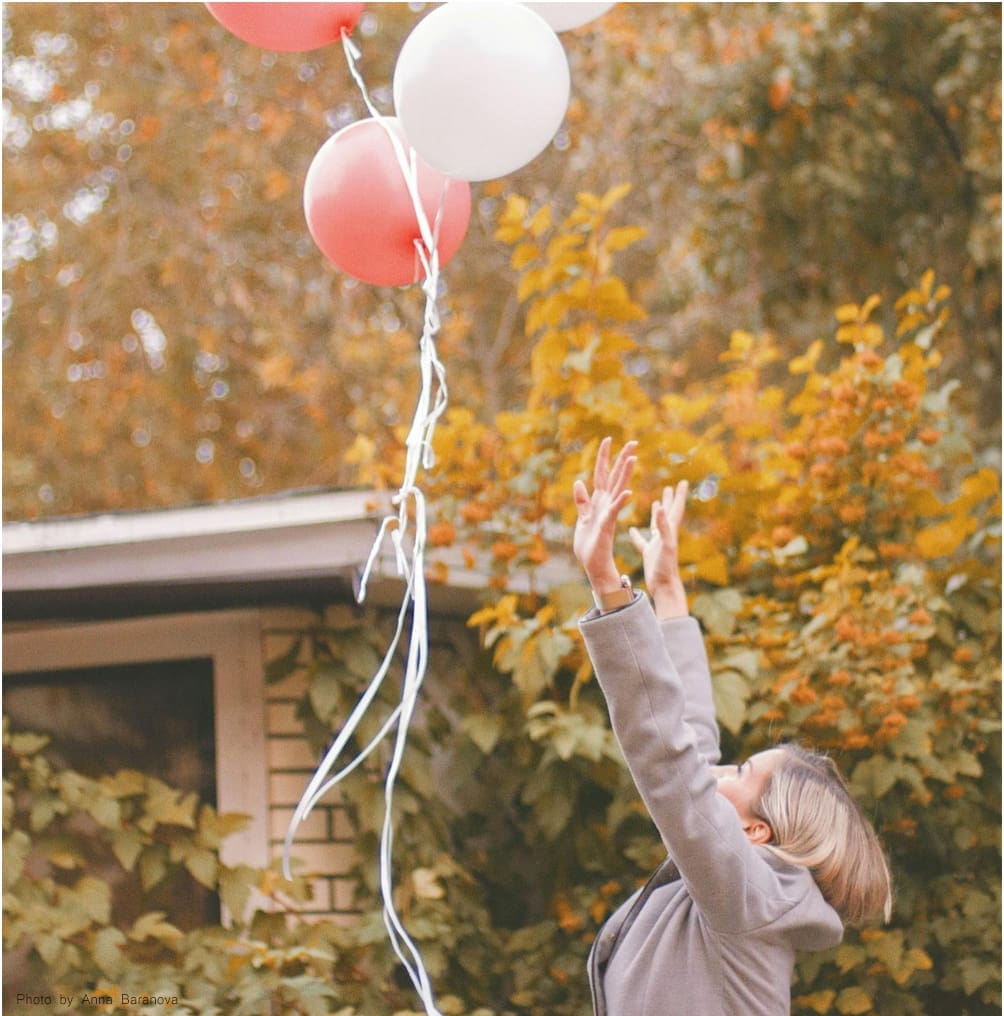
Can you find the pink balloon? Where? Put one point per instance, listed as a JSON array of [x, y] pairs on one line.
[[288, 27], [360, 213]]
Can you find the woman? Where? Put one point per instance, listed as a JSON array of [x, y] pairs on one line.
[[764, 858]]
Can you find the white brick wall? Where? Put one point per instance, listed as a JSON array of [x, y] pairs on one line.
[[324, 843]]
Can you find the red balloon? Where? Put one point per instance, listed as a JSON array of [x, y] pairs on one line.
[[288, 27], [360, 212]]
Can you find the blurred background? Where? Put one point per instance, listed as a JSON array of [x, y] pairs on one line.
[[171, 335]]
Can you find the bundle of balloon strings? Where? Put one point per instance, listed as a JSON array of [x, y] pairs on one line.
[[409, 520]]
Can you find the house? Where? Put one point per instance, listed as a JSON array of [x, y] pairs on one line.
[[145, 636]]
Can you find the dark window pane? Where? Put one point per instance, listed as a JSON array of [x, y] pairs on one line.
[[155, 717]]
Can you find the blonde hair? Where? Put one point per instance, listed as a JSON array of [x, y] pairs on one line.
[[817, 824]]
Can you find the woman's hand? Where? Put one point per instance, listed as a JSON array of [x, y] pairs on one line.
[[660, 552], [593, 542]]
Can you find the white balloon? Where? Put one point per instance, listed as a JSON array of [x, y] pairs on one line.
[[562, 16], [481, 89]]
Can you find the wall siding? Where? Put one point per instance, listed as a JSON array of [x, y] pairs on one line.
[[324, 842]]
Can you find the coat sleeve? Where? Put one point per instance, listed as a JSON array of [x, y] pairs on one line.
[[734, 888], [685, 646]]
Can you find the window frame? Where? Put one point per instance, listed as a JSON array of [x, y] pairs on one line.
[[232, 640]]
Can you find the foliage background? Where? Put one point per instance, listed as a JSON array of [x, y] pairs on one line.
[[171, 336]]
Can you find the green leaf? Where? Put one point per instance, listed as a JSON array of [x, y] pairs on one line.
[[854, 1000], [16, 848], [965, 763], [127, 846], [235, 888], [529, 673], [484, 729], [125, 783], [717, 611], [731, 692], [202, 866], [361, 658], [745, 661], [325, 693], [43, 811], [105, 810], [153, 925], [107, 951], [531, 938], [849, 956], [975, 972], [27, 744], [95, 897], [167, 806], [214, 828], [282, 666], [152, 867]]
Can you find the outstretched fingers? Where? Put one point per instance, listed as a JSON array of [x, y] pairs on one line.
[[623, 467], [580, 495], [601, 471], [675, 502]]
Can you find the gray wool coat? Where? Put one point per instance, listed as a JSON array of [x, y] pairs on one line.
[[714, 933]]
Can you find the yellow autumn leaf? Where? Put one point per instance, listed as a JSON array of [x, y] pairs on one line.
[[979, 486], [580, 216], [541, 222], [918, 959], [808, 401], [944, 538], [516, 208], [740, 343], [868, 306], [713, 568], [560, 248], [818, 1001], [523, 254], [872, 334], [623, 237], [846, 313], [807, 361], [909, 322], [588, 200], [614, 195], [530, 283], [503, 611], [610, 299], [687, 410]]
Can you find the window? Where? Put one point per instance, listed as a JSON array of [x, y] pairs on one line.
[[124, 670], [154, 717]]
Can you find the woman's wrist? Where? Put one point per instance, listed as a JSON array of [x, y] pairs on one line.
[[669, 600], [614, 599], [604, 580]]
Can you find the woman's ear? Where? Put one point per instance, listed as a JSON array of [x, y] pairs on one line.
[[758, 832]]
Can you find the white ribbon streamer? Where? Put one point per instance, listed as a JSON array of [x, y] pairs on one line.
[[431, 404]]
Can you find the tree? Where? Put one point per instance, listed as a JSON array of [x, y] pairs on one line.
[[172, 335]]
